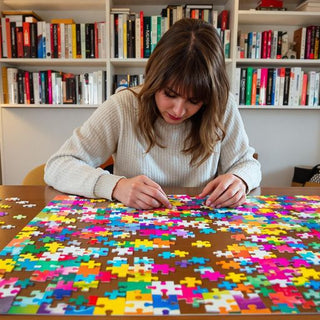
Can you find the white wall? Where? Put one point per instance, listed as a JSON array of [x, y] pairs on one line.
[[283, 139], [31, 135]]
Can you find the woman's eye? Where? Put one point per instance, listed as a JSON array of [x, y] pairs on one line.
[[194, 101], [169, 94]]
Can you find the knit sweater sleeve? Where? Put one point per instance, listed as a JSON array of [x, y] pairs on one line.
[[74, 168], [236, 155]]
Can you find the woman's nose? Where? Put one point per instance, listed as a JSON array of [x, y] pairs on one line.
[[179, 109]]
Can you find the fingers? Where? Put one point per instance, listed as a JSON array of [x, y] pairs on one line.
[[140, 192], [225, 191]]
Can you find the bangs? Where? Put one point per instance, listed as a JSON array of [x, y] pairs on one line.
[[197, 86]]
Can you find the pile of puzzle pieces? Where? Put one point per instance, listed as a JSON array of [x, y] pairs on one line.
[[90, 257]]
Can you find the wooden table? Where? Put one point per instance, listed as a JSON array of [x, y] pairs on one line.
[[40, 196]]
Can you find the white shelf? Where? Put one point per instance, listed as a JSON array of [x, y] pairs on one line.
[[50, 106], [267, 107], [55, 4], [254, 17]]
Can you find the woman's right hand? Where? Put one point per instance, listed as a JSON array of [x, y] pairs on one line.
[[140, 192]]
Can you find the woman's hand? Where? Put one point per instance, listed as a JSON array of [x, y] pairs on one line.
[[226, 190], [141, 193]]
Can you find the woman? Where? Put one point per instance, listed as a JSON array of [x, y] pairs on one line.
[[180, 128]]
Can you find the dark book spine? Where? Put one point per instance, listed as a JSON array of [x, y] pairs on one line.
[[20, 81], [44, 87], [78, 40], [131, 36], [31, 87], [147, 36], [54, 40], [116, 36], [279, 45], [243, 80], [92, 41], [269, 86], [14, 53], [33, 40], [286, 86]]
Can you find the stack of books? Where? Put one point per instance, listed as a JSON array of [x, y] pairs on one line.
[[308, 5]]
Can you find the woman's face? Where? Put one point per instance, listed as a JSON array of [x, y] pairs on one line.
[[175, 108]]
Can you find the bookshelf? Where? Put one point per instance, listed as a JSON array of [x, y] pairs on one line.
[[30, 133]]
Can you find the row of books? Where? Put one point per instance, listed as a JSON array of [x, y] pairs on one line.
[[135, 35], [60, 38], [123, 81], [307, 42], [274, 44], [277, 86], [266, 44], [52, 87]]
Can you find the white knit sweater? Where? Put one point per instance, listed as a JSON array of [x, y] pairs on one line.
[[110, 131]]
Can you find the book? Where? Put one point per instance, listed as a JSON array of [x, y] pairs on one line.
[[33, 40], [311, 88], [299, 38], [286, 86], [269, 86], [223, 20], [243, 81], [281, 73], [147, 36], [131, 36], [254, 86], [263, 86], [5, 91], [249, 85]]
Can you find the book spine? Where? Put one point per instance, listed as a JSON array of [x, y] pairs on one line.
[[137, 37], [243, 80], [4, 38], [317, 42], [269, 86], [249, 85], [33, 40], [39, 39], [49, 81], [286, 86], [48, 40], [308, 42], [13, 40], [263, 86], [254, 87], [36, 89], [8, 36], [27, 86], [96, 40], [141, 34], [281, 89], [31, 88], [147, 36], [311, 88], [21, 87], [5, 91]]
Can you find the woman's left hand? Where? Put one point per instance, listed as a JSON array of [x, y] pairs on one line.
[[226, 190]]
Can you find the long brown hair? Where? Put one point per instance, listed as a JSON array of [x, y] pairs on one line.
[[189, 57]]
